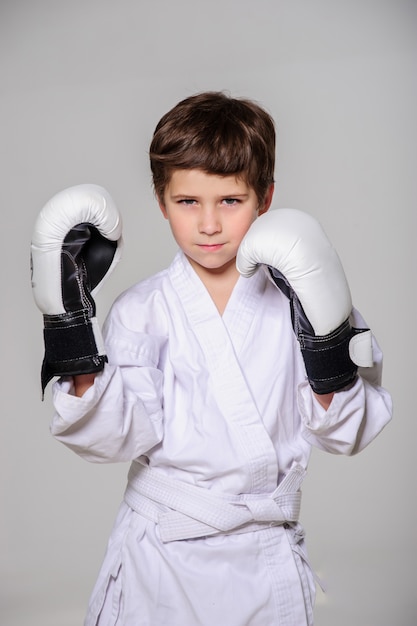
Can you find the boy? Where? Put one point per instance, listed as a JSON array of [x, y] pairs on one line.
[[205, 388]]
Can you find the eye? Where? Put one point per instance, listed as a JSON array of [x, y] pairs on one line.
[[187, 201], [231, 201]]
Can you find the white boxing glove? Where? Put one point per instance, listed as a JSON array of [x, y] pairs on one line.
[[305, 266], [76, 242]]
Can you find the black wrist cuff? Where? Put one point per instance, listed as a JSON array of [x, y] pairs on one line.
[[70, 346], [328, 364]]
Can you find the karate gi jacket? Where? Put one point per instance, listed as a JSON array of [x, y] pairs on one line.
[[218, 419]]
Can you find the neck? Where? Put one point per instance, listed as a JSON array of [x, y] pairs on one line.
[[219, 282]]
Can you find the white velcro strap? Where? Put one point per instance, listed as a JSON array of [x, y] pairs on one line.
[[101, 350], [360, 349]]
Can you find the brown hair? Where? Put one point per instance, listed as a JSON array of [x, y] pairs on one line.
[[218, 134]]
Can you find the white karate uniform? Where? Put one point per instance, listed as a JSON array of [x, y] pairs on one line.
[[214, 411]]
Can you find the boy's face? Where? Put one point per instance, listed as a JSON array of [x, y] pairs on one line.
[[209, 216]]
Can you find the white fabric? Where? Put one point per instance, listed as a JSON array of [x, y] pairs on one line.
[[190, 511], [222, 403]]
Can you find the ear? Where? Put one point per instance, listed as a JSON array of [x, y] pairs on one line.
[[162, 207], [267, 201]]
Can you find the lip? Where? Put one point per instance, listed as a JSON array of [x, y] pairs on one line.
[[210, 247]]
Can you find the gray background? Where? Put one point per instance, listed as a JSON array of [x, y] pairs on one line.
[[83, 84]]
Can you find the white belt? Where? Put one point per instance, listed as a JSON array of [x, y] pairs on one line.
[[186, 511]]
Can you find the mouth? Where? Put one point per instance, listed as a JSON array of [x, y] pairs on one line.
[[210, 247]]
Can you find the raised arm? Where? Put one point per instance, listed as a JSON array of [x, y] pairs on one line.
[[75, 245], [305, 267]]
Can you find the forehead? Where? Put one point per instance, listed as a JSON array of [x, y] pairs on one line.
[[196, 182]]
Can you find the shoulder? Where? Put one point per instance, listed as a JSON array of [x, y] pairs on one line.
[[142, 290], [149, 305], [153, 287], [137, 326], [142, 305]]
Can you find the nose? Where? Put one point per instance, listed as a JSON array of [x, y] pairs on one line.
[[209, 220]]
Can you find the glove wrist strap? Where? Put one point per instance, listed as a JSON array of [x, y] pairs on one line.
[[328, 364], [73, 345]]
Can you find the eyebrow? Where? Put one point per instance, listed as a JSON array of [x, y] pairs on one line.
[[177, 196]]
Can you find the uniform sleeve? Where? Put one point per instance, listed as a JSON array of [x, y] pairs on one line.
[[355, 416], [120, 417]]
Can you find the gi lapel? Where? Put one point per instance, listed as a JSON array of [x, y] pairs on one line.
[[231, 390]]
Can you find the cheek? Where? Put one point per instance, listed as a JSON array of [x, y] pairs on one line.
[[180, 229], [243, 226]]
